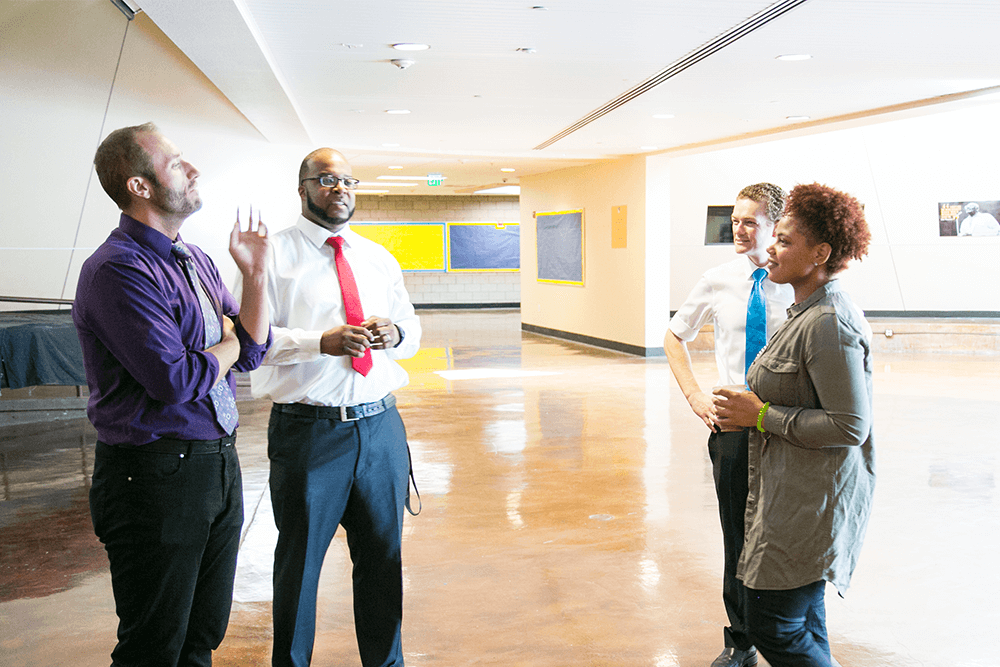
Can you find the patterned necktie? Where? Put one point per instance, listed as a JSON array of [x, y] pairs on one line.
[[756, 318], [352, 302], [221, 394]]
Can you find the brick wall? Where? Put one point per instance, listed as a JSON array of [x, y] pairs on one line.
[[441, 288]]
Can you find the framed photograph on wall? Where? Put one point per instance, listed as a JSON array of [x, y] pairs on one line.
[[969, 218], [719, 225]]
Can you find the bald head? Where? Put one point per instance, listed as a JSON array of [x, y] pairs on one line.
[[326, 154], [329, 206]]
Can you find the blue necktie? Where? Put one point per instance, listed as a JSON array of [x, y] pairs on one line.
[[221, 395], [756, 318]]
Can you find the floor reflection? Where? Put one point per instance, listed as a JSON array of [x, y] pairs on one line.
[[569, 518], [47, 543]]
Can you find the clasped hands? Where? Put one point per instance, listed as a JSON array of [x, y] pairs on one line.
[[735, 408], [376, 333]]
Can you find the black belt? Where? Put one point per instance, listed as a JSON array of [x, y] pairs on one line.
[[172, 446], [344, 413]]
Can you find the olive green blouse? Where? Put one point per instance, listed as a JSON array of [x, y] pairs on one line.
[[812, 473]]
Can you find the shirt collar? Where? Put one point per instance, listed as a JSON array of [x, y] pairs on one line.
[[751, 267], [318, 235], [146, 236], [821, 293]]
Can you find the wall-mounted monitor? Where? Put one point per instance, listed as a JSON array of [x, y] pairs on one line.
[[719, 225]]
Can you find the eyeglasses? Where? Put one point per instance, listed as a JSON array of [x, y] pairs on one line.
[[330, 181]]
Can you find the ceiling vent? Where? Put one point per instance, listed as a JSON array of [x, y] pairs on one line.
[[704, 51]]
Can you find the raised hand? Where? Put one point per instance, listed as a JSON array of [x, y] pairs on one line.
[[249, 248]]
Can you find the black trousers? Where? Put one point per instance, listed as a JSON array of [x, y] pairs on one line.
[[169, 515], [325, 473], [728, 452]]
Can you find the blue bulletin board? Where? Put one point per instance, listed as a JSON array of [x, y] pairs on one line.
[[560, 247], [484, 246]]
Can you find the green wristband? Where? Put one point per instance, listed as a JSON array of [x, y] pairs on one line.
[[760, 416]]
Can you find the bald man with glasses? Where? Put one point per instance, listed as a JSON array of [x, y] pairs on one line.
[[341, 319]]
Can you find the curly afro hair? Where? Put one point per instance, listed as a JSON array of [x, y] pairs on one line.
[[830, 216]]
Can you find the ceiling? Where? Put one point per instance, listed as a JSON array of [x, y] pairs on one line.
[[538, 85]]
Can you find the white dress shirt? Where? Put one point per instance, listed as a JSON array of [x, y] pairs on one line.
[[721, 295], [305, 299]]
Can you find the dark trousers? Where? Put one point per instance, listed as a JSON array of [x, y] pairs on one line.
[[728, 452], [170, 523], [325, 472], [789, 627]]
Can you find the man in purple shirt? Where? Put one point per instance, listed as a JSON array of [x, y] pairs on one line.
[[160, 335]]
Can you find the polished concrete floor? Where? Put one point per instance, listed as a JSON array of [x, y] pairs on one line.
[[568, 518]]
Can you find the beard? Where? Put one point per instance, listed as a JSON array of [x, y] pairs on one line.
[[330, 222], [176, 202]]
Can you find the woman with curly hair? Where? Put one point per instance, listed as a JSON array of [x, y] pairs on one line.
[[809, 410]]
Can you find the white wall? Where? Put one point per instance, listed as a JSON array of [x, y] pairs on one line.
[[64, 91], [899, 168], [62, 96]]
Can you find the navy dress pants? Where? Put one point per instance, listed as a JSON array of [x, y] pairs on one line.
[[325, 473], [789, 627], [170, 522], [728, 452]]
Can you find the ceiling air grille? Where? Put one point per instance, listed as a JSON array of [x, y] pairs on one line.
[[704, 51]]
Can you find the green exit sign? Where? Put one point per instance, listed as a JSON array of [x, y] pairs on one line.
[[434, 179]]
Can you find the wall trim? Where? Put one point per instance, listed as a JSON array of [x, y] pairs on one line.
[[465, 306], [906, 314], [978, 314], [596, 342]]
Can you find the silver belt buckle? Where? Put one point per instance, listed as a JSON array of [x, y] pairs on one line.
[[343, 415]]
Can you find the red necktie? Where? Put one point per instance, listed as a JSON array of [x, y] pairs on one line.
[[352, 302]]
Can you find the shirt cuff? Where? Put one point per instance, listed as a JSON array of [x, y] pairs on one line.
[[682, 331]]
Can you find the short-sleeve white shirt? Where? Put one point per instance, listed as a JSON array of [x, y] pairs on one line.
[[721, 296]]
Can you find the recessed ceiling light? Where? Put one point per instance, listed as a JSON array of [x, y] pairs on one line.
[[663, 115], [507, 170], [395, 166], [797, 117], [794, 56], [397, 112], [407, 46]]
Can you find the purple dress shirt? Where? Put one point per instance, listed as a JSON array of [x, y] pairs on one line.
[[143, 338]]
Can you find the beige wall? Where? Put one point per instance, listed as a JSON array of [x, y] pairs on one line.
[[611, 305]]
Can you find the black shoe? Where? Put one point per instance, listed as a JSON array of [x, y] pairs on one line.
[[734, 657]]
